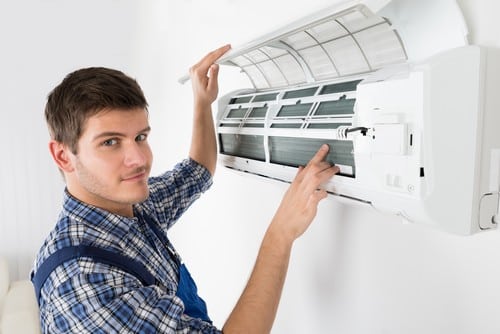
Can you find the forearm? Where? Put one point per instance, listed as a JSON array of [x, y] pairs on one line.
[[203, 143], [257, 306], [256, 309]]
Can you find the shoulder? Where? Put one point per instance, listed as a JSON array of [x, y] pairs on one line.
[[80, 224]]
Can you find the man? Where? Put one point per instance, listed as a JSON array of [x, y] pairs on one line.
[[108, 266]]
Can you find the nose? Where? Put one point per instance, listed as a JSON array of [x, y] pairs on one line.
[[136, 155]]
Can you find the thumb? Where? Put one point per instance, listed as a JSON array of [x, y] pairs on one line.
[[213, 76], [317, 196]]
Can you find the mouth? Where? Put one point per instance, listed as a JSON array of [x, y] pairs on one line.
[[136, 176]]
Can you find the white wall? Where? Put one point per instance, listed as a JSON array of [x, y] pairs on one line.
[[354, 271]]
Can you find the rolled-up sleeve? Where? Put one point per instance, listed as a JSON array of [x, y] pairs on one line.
[[174, 191]]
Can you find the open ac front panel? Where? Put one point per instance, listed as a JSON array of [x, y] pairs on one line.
[[404, 120]]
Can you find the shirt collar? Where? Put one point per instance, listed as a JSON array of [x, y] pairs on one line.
[[93, 215]]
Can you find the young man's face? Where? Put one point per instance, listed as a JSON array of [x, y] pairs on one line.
[[113, 162]]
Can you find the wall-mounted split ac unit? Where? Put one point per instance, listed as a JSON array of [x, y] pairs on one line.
[[395, 90]]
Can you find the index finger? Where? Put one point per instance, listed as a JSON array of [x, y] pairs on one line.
[[212, 56], [320, 155]]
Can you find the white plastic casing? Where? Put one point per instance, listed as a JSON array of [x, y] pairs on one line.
[[426, 154]]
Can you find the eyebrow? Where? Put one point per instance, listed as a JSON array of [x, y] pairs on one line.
[[117, 134]]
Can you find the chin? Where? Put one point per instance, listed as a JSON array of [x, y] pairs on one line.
[[135, 195], [143, 197], [132, 199]]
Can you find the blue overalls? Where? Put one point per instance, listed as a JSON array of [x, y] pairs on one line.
[[194, 305]]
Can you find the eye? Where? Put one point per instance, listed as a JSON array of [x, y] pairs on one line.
[[110, 142], [141, 137]]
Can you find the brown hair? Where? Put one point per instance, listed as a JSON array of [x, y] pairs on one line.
[[84, 93]]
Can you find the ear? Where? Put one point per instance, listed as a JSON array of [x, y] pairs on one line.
[[61, 155]]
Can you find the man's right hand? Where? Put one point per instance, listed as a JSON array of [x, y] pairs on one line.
[[299, 204]]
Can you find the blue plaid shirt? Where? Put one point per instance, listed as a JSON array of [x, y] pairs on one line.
[[84, 296]]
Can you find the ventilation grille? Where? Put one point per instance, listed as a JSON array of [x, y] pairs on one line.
[[287, 127]]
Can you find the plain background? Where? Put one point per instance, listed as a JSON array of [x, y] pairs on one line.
[[354, 271]]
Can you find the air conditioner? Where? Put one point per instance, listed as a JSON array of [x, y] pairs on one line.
[[395, 90]]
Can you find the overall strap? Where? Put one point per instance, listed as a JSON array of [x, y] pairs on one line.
[[187, 290], [101, 255]]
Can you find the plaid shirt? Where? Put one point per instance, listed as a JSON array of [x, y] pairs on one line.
[[84, 296]]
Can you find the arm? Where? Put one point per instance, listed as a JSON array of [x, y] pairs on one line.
[[205, 89], [257, 306]]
